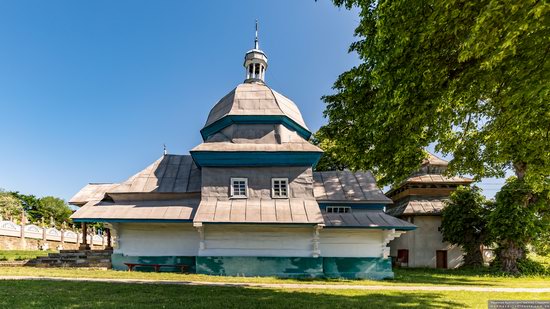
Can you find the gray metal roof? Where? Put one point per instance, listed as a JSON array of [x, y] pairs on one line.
[[436, 178], [417, 206], [92, 191], [366, 219], [169, 174], [255, 99], [142, 210], [259, 211], [347, 186]]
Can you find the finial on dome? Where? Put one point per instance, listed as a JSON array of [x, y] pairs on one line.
[[255, 62], [256, 43]]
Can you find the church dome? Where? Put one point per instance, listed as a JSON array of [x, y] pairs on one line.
[[253, 102], [255, 99]]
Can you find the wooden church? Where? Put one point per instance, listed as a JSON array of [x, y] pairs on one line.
[[246, 201]]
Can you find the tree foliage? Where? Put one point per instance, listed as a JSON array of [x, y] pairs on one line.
[[473, 77], [30, 204], [464, 223], [37, 209], [513, 225], [330, 160], [9, 206], [53, 207]]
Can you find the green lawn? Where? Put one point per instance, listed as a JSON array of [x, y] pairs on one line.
[[15, 255], [50, 294], [402, 277]]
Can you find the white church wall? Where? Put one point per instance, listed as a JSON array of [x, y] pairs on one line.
[[257, 240], [423, 243], [155, 239], [351, 243]]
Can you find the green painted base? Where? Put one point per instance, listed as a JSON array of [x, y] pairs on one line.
[[118, 261], [357, 268], [285, 267]]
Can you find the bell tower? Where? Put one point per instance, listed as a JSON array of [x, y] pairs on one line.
[[255, 62]]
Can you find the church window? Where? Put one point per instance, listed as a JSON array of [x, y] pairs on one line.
[[239, 187], [279, 187], [338, 209]]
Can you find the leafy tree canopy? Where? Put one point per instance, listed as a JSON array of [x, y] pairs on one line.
[[30, 204], [473, 77], [9, 205], [513, 225], [330, 160], [53, 207], [464, 223]]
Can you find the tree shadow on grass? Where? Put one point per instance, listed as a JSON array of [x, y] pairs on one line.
[[57, 294]]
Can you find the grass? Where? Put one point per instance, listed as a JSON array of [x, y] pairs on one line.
[[54, 294], [423, 277], [17, 255]]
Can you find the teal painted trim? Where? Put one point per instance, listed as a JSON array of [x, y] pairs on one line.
[[357, 268], [132, 220], [284, 267], [254, 119], [118, 260], [324, 205], [255, 158], [379, 227]]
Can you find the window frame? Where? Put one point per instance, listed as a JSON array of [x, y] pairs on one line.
[[347, 209], [273, 180], [232, 187]]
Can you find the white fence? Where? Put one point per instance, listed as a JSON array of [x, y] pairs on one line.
[[9, 228]]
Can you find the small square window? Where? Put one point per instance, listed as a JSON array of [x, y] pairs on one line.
[[239, 187], [279, 187], [338, 209]]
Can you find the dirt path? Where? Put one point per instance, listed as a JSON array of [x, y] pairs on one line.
[[292, 286]]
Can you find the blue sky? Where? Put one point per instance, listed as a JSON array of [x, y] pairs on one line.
[[91, 90]]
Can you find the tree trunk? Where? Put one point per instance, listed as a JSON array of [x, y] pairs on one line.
[[509, 256], [473, 256]]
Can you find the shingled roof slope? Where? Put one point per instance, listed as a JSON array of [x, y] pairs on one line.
[[255, 99], [92, 191], [347, 186], [169, 174], [294, 210], [175, 210], [372, 219], [417, 206]]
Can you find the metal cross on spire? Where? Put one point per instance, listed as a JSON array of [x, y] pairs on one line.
[[256, 43]]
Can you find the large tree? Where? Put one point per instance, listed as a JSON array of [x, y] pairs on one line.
[[470, 77], [513, 225], [10, 207], [464, 223], [53, 207], [30, 204]]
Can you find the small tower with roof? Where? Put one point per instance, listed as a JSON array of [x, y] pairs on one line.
[[255, 62]]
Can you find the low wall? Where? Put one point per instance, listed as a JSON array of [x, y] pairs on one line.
[[32, 237]]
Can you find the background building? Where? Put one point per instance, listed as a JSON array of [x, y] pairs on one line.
[[419, 200]]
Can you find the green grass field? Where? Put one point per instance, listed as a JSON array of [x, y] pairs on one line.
[[402, 277], [53, 294], [16, 255]]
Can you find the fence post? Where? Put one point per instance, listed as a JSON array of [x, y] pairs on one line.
[[23, 240], [63, 228]]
